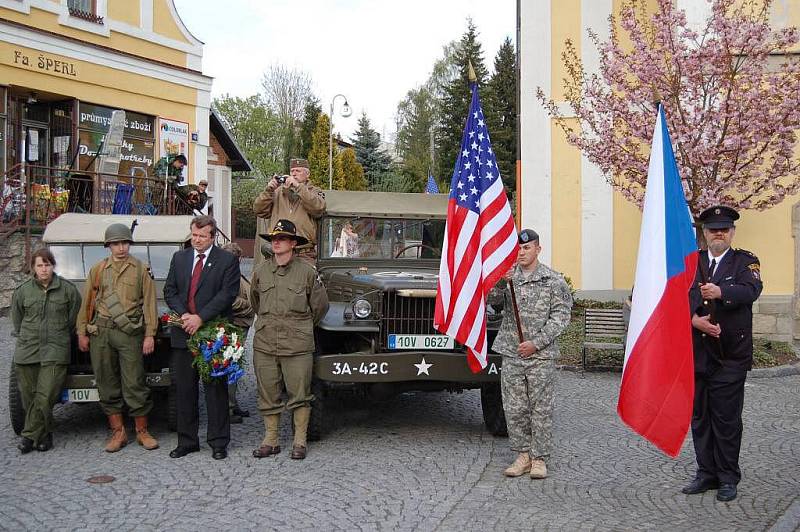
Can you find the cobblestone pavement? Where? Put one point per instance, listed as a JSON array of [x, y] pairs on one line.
[[419, 462]]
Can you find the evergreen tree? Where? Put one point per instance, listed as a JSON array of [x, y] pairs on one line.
[[418, 119], [311, 113], [500, 110], [457, 97], [352, 172], [368, 153], [318, 155]]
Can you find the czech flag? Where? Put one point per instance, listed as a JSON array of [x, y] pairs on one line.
[[657, 389]]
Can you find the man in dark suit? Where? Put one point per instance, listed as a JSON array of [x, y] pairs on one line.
[[202, 284], [721, 301]]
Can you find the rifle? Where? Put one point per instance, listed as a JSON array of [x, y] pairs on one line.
[[711, 307]]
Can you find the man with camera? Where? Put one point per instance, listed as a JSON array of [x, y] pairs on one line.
[[295, 199]]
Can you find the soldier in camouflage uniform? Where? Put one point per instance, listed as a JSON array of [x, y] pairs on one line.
[[117, 324], [528, 375]]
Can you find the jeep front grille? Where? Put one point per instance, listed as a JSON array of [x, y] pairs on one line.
[[406, 315]]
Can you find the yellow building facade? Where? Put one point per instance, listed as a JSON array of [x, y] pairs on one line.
[[590, 232], [66, 65]]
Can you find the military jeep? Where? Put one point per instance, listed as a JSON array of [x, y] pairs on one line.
[[378, 257], [76, 241]]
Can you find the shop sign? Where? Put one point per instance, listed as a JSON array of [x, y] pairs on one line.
[[98, 118], [136, 155], [173, 139], [46, 63]]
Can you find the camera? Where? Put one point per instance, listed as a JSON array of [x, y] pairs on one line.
[[281, 179]]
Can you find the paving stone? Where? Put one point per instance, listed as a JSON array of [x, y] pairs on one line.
[[418, 462]]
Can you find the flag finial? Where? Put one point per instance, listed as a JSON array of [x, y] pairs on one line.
[[656, 96], [471, 72]]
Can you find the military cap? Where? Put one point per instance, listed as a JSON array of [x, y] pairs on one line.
[[286, 228], [298, 163], [528, 235], [117, 233], [718, 217]]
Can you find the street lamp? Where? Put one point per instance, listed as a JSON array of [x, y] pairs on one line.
[[345, 112]]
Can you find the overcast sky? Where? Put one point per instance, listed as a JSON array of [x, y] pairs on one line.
[[372, 51]]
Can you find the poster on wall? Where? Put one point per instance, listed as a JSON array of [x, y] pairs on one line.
[[173, 139]]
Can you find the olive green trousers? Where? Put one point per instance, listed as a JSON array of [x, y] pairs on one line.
[[119, 370], [40, 388]]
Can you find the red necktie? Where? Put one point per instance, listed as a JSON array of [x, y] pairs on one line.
[[198, 268]]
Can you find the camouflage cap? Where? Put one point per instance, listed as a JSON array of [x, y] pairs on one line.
[[528, 235]]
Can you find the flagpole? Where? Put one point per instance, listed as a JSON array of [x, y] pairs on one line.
[[516, 310]]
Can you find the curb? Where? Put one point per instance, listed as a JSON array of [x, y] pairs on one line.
[[778, 371], [790, 520]]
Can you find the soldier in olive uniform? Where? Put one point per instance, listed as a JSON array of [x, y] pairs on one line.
[[296, 200], [289, 300], [721, 300], [43, 312], [119, 315], [243, 315], [528, 375]]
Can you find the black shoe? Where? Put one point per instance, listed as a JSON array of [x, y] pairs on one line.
[[220, 454], [727, 492], [700, 486], [239, 412], [180, 452], [25, 445], [46, 444], [236, 420]]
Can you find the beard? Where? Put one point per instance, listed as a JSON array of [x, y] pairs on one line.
[[718, 247]]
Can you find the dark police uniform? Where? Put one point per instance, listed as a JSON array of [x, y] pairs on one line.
[[721, 366]]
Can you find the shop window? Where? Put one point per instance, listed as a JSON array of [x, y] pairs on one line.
[[85, 9]]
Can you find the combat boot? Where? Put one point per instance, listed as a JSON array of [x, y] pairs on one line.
[[269, 445], [520, 466], [119, 438], [143, 437], [301, 417], [538, 469]]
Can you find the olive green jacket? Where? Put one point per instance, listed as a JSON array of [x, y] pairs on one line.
[[289, 300], [44, 320]]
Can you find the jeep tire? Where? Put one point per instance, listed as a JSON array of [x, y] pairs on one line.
[[494, 417], [15, 409]]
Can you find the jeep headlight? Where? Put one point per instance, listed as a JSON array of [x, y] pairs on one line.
[[362, 308]]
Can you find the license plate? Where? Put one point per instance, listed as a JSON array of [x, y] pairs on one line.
[[420, 341], [81, 395]]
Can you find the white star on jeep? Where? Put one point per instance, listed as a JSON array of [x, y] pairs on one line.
[[423, 367]]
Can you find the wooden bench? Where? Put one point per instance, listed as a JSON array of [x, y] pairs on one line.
[[603, 328]]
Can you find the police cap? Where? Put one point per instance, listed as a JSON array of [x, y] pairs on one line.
[[718, 217], [528, 235], [285, 228]]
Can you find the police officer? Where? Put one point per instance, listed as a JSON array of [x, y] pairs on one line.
[[721, 300], [117, 324], [289, 300], [43, 312], [528, 375], [296, 200]]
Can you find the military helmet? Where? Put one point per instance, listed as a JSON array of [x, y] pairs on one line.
[[118, 233]]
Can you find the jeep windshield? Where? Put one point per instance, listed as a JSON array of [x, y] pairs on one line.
[[74, 261], [380, 238]]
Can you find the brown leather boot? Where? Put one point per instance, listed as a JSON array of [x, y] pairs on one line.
[[301, 417], [119, 438], [142, 436]]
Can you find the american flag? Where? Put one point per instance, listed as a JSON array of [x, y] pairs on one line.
[[480, 241], [431, 187]]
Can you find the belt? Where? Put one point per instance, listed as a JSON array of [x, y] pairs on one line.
[[107, 323]]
